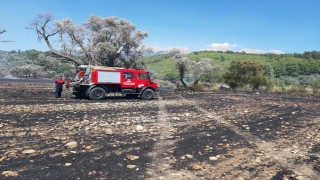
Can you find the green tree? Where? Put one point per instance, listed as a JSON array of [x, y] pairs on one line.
[[171, 76], [269, 72], [240, 73], [292, 69], [32, 55], [279, 69], [45, 63], [10, 58]]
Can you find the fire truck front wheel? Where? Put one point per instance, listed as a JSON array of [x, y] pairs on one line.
[[147, 94], [97, 93]]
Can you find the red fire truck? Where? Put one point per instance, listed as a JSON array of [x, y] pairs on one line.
[[98, 81]]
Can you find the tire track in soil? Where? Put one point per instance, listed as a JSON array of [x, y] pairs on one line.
[[282, 158], [162, 153]]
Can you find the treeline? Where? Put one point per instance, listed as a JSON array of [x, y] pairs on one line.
[[315, 55], [293, 67], [294, 64], [33, 63], [31, 71], [283, 69]]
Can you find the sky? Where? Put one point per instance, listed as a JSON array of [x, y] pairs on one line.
[[253, 26]]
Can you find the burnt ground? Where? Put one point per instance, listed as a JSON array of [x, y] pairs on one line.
[[211, 135]]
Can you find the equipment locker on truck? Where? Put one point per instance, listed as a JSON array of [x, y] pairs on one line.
[[98, 81]]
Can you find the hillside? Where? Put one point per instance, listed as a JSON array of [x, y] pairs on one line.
[[281, 65], [288, 68], [24, 63]]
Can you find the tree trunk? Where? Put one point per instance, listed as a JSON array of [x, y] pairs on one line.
[[183, 83], [66, 57], [196, 82]]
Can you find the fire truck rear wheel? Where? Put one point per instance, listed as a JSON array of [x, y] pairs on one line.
[[97, 93], [147, 94]]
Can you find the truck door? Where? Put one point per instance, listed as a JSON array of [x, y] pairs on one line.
[[142, 80], [128, 80]]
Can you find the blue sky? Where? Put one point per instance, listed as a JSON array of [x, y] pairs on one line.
[[255, 26]]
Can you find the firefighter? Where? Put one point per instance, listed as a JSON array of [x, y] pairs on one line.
[[80, 75], [68, 83], [177, 84], [58, 85]]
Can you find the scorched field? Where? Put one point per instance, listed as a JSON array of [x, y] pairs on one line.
[[178, 135]]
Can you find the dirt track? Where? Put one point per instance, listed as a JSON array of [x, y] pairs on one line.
[[213, 135]]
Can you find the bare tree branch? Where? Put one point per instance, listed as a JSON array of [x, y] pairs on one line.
[[40, 25], [3, 31]]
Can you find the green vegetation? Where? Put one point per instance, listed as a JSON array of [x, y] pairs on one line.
[[316, 86], [240, 72], [293, 65], [281, 69], [162, 65], [33, 63], [286, 72]]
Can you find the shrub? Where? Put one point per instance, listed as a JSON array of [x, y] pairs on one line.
[[278, 88], [3, 72], [297, 89], [214, 77], [164, 83], [197, 88], [245, 88], [315, 86], [171, 77], [230, 79], [258, 81]]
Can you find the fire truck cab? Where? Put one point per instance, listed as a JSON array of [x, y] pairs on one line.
[[97, 81]]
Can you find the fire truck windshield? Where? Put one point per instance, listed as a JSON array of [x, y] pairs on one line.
[[87, 73], [149, 77]]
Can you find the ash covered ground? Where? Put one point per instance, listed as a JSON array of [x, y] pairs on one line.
[[178, 135]]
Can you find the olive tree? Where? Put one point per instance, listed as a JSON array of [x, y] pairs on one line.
[[181, 62], [202, 68], [26, 71], [3, 72], [108, 41]]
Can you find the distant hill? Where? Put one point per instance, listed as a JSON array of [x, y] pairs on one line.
[[161, 63], [281, 64], [155, 53]]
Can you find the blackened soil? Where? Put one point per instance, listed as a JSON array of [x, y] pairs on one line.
[[31, 118], [205, 140]]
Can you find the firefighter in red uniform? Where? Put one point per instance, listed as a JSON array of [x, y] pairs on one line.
[[68, 83], [58, 84]]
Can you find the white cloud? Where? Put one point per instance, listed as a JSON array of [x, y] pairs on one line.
[[232, 47], [183, 50], [221, 46], [218, 47], [276, 52]]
